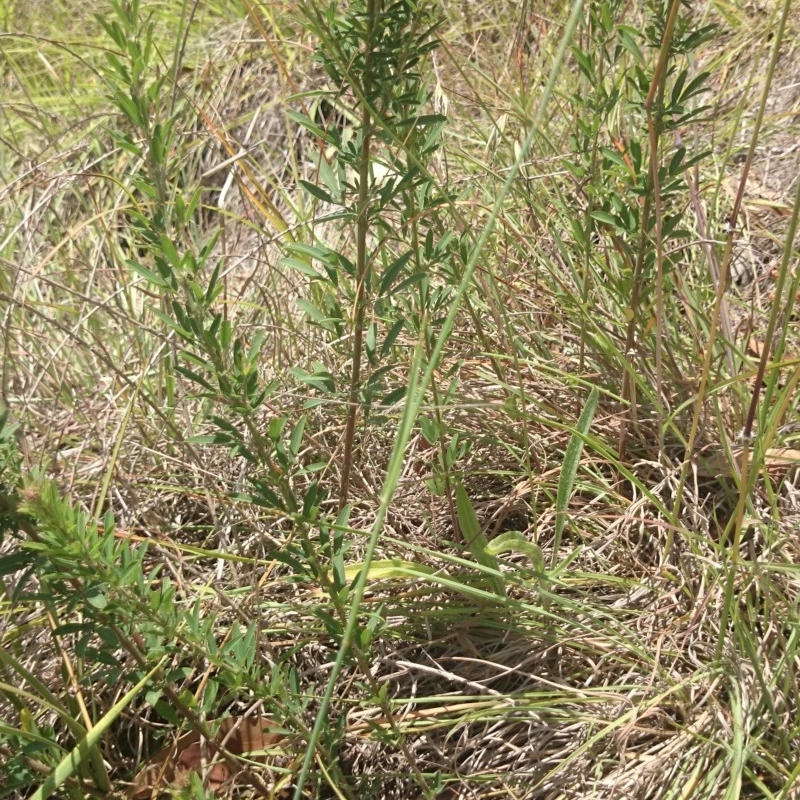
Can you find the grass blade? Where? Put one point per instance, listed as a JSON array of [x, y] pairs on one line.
[[572, 459], [87, 745], [476, 540]]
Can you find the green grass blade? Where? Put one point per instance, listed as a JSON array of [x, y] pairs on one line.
[[569, 471], [416, 393], [476, 540], [89, 743]]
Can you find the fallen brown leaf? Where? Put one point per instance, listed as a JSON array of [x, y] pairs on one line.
[[171, 767]]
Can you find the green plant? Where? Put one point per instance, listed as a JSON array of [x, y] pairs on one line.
[[221, 364], [537, 567], [418, 382], [374, 179], [637, 94], [121, 619]]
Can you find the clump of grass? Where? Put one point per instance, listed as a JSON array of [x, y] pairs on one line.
[[397, 402]]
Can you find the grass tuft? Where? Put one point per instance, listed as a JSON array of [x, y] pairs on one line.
[[398, 401]]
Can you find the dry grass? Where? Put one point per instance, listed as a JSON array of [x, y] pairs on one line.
[[612, 679]]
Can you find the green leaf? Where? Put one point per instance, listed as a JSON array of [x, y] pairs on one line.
[[96, 598], [148, 274], [316, 191], [262, 496], [370, 343], [476, 540], [202, 438], [129, 108], [430, 428], [615, 156], [515, 542], [421, 121], [254, 351], [676, 162], [14, 562], [194, 376], [226, 426], [297, 436], [627, 37], [312, 312], [391, 336], [113, 30], [392, 271], [411, 280], [276, 427], [321, 379], [331, 180], [569, 469], [307, 123], [602, 216], [395, 396], [311, 252], [303, 267], [311, 501], [696, 86]]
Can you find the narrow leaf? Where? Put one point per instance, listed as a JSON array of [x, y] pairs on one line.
[[316, 191], [569, 470], [476, 540], [392, 271]]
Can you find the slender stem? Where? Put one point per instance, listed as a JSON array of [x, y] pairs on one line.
[[362, 265], [726, 263], [745, 465], [416, 390]]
